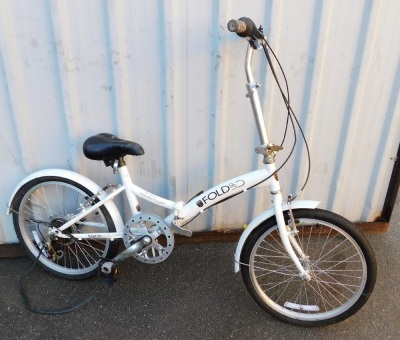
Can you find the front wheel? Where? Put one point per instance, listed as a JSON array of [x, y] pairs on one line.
[[339, 259], [48, 202]]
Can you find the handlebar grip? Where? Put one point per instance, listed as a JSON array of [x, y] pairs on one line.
[[236, 26], [244, 27]]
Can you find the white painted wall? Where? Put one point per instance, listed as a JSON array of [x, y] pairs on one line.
[[168, 75]]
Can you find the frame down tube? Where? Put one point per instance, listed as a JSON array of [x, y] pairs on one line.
[[222, 192]]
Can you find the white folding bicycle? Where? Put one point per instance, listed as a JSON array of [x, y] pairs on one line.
[[303, 265]]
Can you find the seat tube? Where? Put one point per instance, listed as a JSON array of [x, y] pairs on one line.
[[127, 182], [252, 94]]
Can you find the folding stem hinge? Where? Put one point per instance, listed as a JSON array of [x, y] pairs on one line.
[[251, 87], [267, 148], [268, 151], [274, 148]]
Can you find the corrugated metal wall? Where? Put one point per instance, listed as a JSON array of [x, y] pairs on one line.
[[168, 75]]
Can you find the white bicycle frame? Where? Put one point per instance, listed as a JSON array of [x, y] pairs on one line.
[[185, 212]]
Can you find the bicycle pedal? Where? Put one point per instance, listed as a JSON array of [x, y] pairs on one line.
[[108, 271]]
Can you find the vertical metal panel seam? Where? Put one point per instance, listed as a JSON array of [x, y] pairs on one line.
[[388, 121], [303, 117], [175, 86], [349, 105], [366, 68], [58, 82], [61, 23], [10, 111], [320, 77], [187, 89], [19, 130], [213, 102], [163, 108], [109, 63]]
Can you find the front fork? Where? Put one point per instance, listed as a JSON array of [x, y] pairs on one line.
[[269, 152], [287, 237]]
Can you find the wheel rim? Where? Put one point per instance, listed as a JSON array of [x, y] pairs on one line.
[[53, 203], [336, 264]]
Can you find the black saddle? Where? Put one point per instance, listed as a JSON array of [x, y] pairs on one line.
[[107, 147]]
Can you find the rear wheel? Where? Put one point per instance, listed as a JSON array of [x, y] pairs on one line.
[[48, 202], [339, 259]]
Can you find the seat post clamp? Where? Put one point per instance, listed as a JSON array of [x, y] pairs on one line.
[[115, 167]]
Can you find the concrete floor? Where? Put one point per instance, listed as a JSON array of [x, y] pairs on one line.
[[193, 295]]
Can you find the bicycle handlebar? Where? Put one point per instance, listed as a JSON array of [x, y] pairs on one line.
[[244, 27]]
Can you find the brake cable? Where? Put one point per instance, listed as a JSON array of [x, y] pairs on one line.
[[290, 113]]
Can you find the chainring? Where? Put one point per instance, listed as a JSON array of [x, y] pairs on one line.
[[161, 235]]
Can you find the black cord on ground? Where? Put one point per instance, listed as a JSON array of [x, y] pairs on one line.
[[28, 306]]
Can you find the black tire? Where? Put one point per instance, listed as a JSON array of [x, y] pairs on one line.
[[341, 263], [50, 201]]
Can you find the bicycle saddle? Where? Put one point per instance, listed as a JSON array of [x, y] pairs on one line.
[[105, 146]]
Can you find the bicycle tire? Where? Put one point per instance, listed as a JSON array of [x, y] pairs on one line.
[[51, 201], [341, 263]]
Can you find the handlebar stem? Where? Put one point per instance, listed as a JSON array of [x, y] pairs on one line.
[[252, 94]]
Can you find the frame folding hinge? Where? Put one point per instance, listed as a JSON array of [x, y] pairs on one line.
[[178, 207], [174, 224]]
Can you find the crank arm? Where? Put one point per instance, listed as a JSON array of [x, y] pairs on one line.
[[133, 249]]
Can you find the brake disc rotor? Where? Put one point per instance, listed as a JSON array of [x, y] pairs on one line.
[[161, 235]]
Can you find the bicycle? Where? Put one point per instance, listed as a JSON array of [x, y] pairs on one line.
[[303, 265]]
